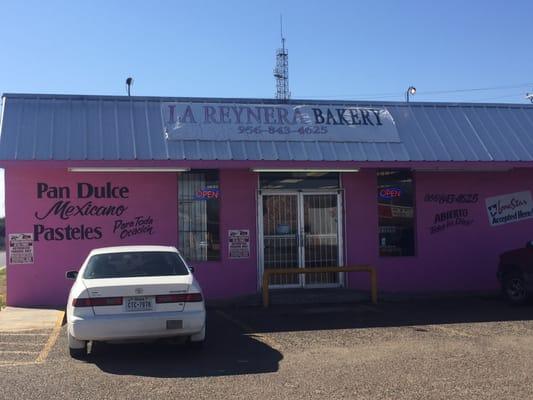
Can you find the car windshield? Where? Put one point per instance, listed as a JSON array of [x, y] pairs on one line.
[[135, 263]]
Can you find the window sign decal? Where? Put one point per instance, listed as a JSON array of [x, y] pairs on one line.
[[21, 248], [508, 208]]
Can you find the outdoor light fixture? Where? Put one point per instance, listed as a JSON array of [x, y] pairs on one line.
[[411, 90], [304, 170], [126, 169]]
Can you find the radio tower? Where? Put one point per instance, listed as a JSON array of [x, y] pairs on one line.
[[281, 72]]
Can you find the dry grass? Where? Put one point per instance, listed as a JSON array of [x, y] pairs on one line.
[[2, 288]]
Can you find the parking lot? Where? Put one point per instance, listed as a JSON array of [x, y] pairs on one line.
[[461, 348]]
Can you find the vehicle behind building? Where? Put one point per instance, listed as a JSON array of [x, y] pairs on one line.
[[515, 273]]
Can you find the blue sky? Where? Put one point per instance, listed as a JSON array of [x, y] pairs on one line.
[[337, 49]]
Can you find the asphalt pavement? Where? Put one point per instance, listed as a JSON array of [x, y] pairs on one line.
[[470, 348]]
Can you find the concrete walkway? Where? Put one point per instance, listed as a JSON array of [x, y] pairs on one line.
[[15, 319]]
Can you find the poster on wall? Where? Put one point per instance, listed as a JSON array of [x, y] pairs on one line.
[[239, 243], [21, 248], [507, 208]]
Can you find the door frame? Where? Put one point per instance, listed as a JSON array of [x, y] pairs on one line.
[[340, 235]]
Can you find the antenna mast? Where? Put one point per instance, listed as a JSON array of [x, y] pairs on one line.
[[281, 72]]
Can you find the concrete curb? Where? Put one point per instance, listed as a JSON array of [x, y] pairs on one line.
[[344, 296], [14, 319]]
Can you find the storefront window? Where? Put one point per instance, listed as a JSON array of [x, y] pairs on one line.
[[199, 215], [396, 213]]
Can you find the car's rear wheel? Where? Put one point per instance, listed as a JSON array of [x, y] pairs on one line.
[[77, 348], [514, 288]]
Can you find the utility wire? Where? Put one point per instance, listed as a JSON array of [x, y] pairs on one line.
[[421, 93], [478, 89]]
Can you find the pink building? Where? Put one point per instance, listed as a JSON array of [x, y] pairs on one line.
[[428, 193]]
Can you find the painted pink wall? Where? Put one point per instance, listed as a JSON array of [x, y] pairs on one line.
[[154, 195], [460, 258], [233, 277], [44, 283]]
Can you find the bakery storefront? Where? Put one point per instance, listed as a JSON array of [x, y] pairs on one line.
[[428, 193]]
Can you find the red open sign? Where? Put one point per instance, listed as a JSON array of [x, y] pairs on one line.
[[206, 194], [389, 193]]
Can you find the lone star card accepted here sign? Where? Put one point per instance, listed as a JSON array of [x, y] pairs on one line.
[[507, 208]]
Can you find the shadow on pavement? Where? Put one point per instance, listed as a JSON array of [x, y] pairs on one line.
[[227, 351], [387, 314]]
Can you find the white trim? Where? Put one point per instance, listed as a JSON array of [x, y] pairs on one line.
[[126, 169], [451, 169], [259, 236], [304, 170]]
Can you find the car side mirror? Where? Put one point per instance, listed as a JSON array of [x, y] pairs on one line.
[[71, 275], [191, 268]]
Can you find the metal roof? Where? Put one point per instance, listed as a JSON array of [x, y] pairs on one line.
[[74, 127]]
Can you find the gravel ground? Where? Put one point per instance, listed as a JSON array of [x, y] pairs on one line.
[[441, 349]]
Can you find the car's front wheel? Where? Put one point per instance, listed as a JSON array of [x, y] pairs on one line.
[[514, 288], [77, 348]]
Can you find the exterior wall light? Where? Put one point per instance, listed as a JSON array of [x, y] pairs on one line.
[[411, 90]]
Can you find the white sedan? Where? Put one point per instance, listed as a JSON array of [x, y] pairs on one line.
[[133, 292]]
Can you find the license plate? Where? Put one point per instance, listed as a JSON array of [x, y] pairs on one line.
[[139, 303]]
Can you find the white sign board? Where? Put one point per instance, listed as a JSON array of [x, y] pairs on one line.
[[509, 208], [21, 248], [267, 122], [239, 243]]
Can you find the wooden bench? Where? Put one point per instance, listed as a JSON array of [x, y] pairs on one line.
[[267, 273]]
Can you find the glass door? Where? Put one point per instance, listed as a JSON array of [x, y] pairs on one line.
[[301, 230]]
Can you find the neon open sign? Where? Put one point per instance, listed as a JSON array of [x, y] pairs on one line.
[[207, 194], [390, 193]]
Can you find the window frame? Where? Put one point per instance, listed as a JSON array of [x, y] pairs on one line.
[[209, 249], [414, 217]]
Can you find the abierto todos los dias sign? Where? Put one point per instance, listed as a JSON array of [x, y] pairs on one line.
[[226, 121]]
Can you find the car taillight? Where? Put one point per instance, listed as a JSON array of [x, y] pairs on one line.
[[99, 301], [179, 298]]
